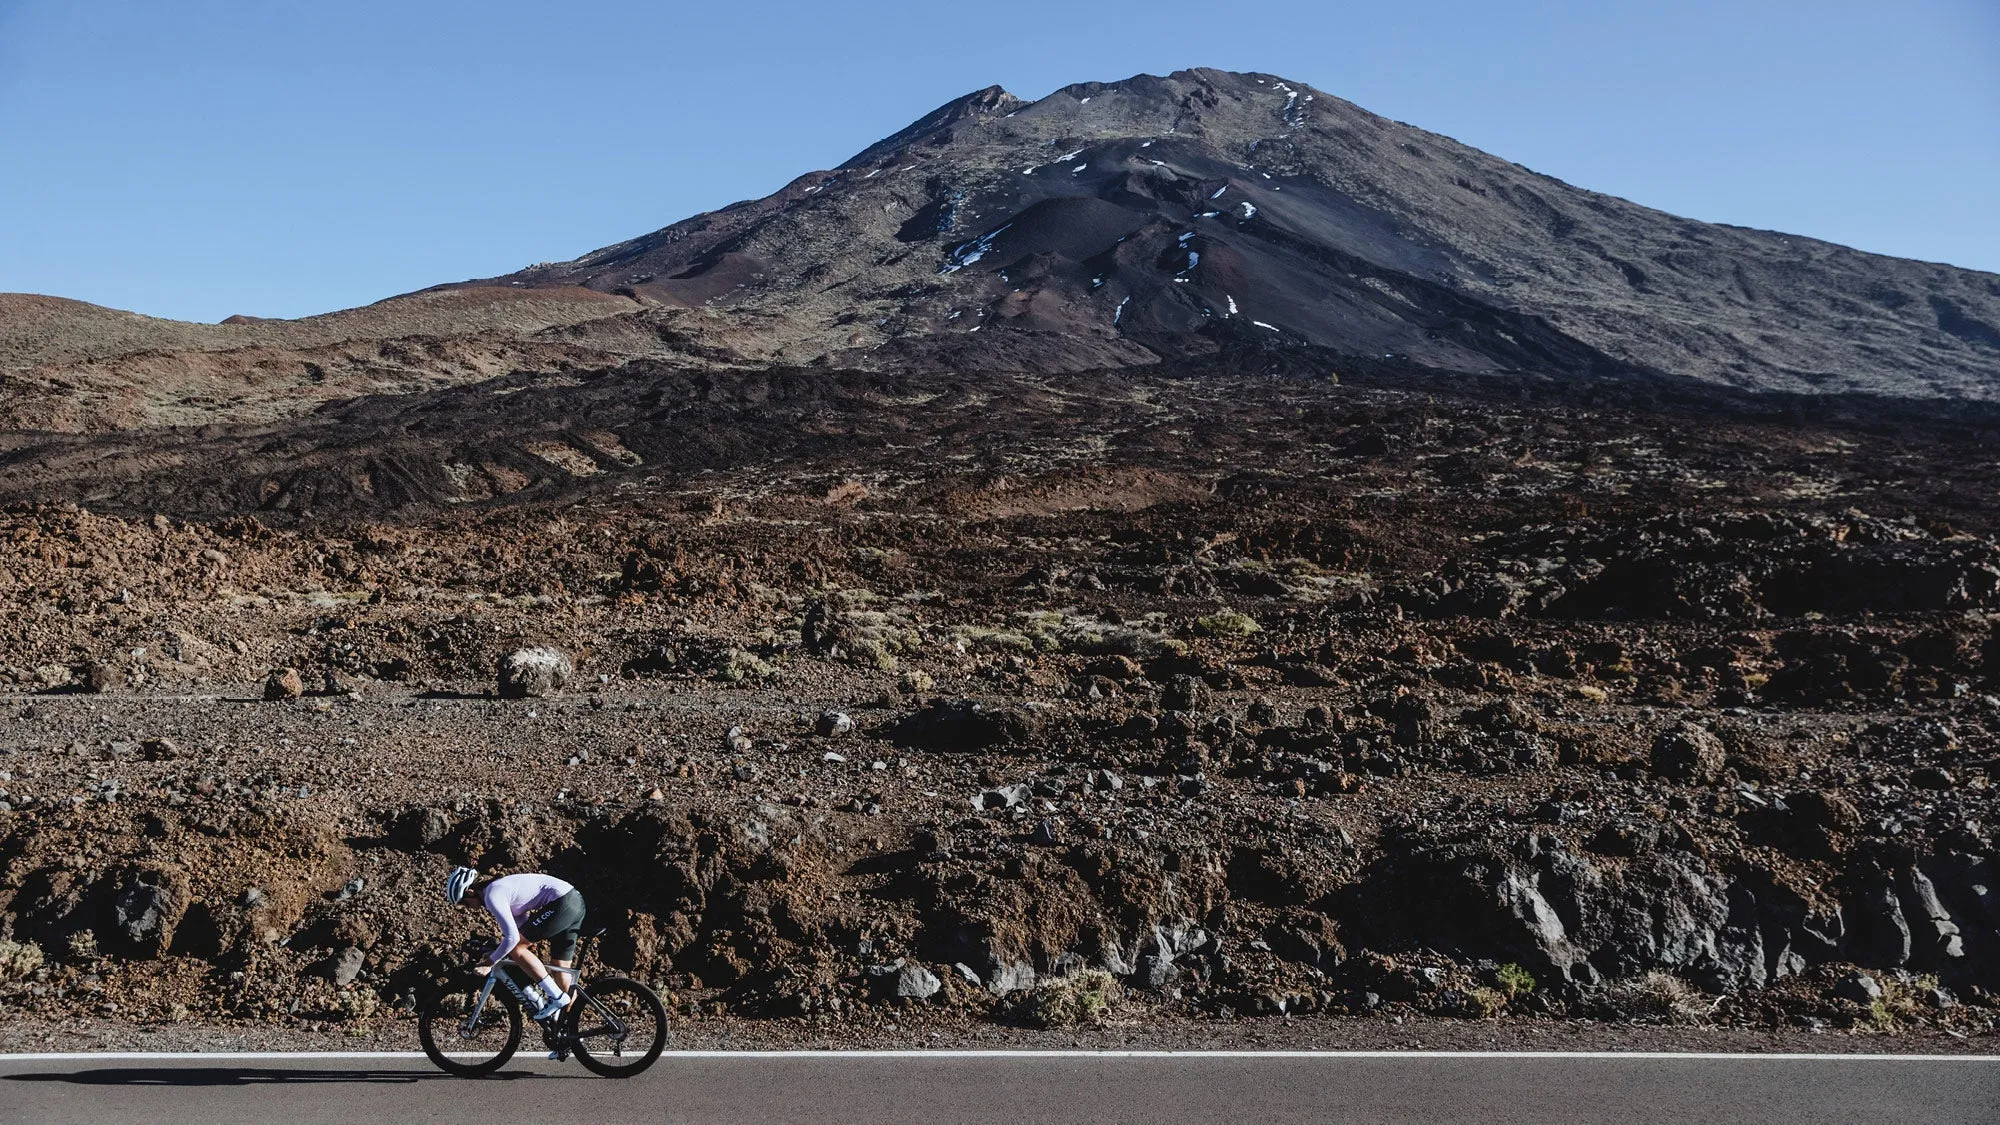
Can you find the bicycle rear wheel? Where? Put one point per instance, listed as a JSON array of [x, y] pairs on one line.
[[620, 1027], [461, 1045]]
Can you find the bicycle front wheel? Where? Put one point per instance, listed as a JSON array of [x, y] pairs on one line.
[[620, 1028], [468, 1037]]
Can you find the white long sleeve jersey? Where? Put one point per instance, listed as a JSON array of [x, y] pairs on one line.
[[511, 898]]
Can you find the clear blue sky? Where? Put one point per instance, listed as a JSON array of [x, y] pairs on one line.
[[194, 158]]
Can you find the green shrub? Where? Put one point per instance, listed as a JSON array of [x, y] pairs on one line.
[[1484, 1003], [1227, 623], [1072, 1001], [357, 1003], [1900, 1001], [981, 639], [738, 665], [18, 959], [1514, 980], [869, 653]]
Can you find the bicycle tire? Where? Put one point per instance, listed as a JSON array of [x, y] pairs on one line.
[[632, 1002], [443, 1011]]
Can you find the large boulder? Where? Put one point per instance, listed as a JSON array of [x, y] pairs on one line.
[[1417, 720], [531, 673], [1690, 753], [964, 724], [145, 910], [904, 980], [1879, 932], [1561, 913], [1935, 938]]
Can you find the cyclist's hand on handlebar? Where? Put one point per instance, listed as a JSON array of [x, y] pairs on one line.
[[482, 970]]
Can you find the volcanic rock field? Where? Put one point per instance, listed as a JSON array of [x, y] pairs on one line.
[[1423, 652]]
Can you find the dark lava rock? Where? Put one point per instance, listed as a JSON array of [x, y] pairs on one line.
[[1305, 673], [1858, 987], [1186, 693], [1879, 931], [1814, 824], [816, 630], [1690, 753], [1505, 715], [420, 827], [1563, 914], [1002, 797], [344, 966], [1118, 668], [964, 724], [1416, 720], [146, 909], [1931, 777], [904, 980]]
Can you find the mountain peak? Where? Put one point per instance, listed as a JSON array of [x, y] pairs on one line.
[[1159, 217], [990, 100]]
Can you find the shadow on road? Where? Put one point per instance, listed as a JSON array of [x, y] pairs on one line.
[[235, 1076]]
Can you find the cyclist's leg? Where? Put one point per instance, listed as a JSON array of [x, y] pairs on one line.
[[563, 975], [562, 928], [562, 959], [524, 956]]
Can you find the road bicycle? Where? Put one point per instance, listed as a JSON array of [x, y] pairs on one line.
[[470, 1025]]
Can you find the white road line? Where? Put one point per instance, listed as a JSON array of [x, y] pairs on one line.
[[1031, 1053]]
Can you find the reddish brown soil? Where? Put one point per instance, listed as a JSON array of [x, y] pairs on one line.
[[1476, 607]]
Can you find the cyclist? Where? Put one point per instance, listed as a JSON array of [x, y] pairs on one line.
[[527, 907]]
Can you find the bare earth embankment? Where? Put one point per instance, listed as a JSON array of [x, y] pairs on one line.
[[1171, 706]]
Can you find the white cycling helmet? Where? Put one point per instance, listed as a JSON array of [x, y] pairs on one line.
[[461, 878]]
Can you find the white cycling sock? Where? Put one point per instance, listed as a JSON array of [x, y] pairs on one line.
[[550, 989]]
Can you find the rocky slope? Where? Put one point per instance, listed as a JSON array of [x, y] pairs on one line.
[[67, 366], [1195, 694]]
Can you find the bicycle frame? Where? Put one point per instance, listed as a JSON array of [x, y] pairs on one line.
[[503, 972]]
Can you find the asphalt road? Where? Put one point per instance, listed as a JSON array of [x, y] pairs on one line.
[[1015, 1087]]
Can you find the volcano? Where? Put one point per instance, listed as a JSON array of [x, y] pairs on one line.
[[1123, 223], [1105, 226]]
